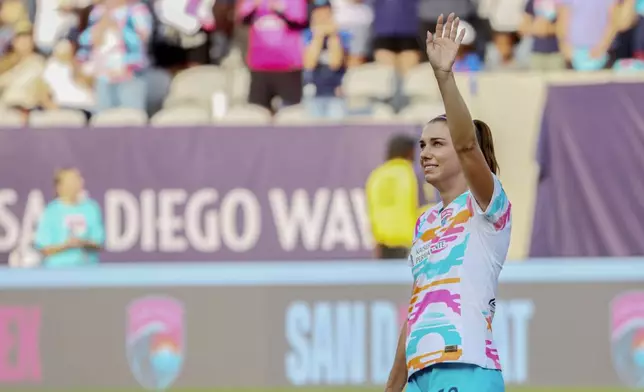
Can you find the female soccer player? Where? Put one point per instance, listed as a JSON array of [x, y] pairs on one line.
[[459, 247]]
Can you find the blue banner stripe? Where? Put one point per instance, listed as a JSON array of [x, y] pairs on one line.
[[305, 273]]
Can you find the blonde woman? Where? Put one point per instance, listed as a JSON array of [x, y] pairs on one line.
[[70, 232]]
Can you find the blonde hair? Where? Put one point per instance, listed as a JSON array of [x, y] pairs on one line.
[[58, 177]]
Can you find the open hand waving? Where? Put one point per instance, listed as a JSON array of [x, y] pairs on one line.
[[442, 46]]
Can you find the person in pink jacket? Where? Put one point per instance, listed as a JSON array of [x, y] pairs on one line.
[[275, 48]]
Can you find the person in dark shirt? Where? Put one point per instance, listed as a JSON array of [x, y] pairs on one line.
[[324, 63], [539, 22], [395, 29]]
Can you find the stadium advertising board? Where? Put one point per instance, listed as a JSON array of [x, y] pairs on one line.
[[154, 326], [203, 194]]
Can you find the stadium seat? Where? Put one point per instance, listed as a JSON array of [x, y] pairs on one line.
[[420, 112], [298, 115], [119, 117], [10, 118], [245, 115], [200, 82], [420, 85], [173, 101], [57, 118], [380, 113], [181, 116], [240, 85], [369, 81], [200, 70], [234, 59]]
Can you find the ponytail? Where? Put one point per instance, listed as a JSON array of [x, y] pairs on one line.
[[484, 137]]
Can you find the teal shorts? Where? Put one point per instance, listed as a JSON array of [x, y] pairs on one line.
[[456, 377]]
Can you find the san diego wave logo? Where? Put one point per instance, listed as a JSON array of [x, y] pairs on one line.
[[155, 341], [627, 337]]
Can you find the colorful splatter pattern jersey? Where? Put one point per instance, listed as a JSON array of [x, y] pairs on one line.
[[456, 258]]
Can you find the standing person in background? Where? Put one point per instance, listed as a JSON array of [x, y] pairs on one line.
[[540, 23], [275, 49], [325, 62], [392, 199], [13, 16], [355, 17], [56, 20], [505, 19], [20, 71], [63, 85], [586, 32], [70, 232], [629, 43], [395, 28], [114, 50]]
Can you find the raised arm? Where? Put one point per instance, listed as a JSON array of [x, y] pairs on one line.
[[442, 48]]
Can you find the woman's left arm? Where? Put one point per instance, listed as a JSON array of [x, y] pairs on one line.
[[442, 48]]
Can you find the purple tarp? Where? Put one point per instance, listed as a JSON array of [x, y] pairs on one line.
[[203, 194], [590, 199]]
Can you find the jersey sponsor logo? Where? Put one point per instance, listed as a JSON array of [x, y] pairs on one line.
[[440, 245], [422, 252]]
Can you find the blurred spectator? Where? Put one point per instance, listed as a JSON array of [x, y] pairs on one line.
[[55, 20], [70, 231], [12, 14], [183, 30], [275, 49], [539, 22], [64, 86], [395, 33], [355, 17], [467, 59], [114, 49], [586, 32], [324, 62], [392, 199], [505, 18], [20, 71], [629, 43]]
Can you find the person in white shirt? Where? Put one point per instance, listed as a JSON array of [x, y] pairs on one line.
[[354, 17], [54, 20], [65, 86]]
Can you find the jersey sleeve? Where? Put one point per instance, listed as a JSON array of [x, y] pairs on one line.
[[499, 209]]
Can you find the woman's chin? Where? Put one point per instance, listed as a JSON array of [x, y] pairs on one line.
[[432, 177]]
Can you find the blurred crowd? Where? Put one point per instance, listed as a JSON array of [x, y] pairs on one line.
[[94, 55]]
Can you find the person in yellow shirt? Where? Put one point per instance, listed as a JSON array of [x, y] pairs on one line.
[[392, 199]]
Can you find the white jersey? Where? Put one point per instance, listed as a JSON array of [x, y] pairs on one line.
[[456, 258]]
